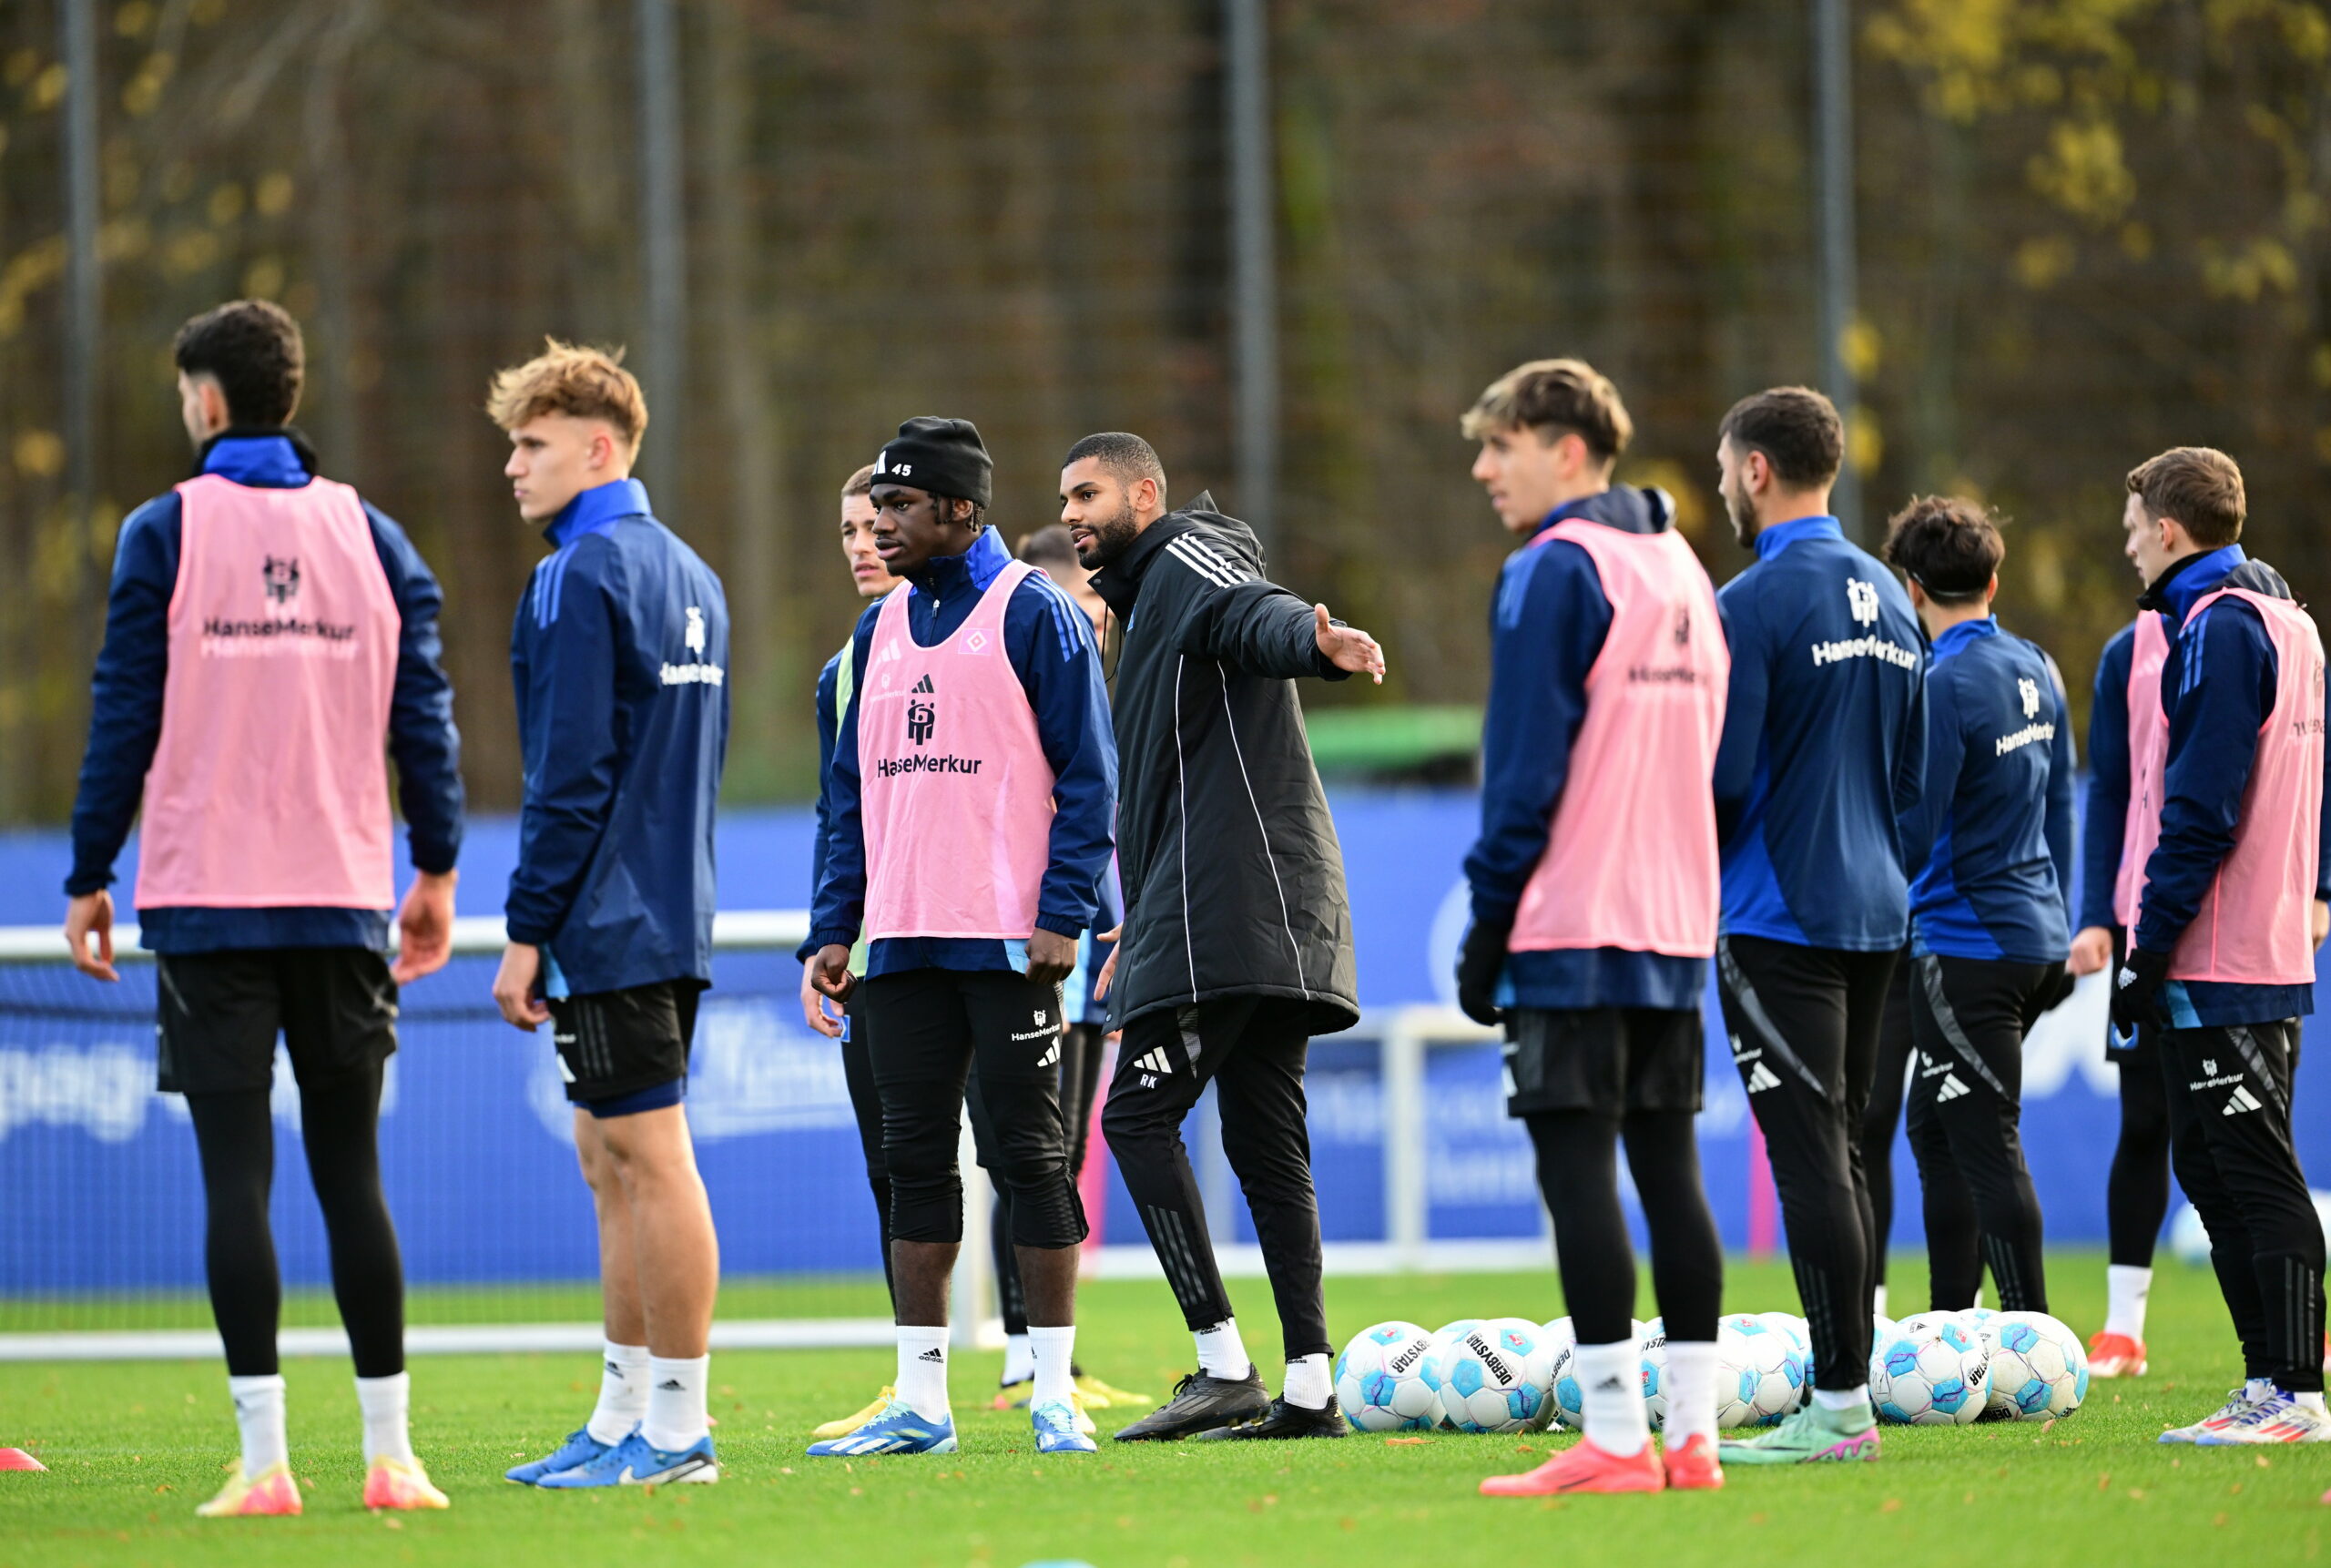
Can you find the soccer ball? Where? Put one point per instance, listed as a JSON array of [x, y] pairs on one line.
[[1651, 1340], [1446, 1332], [1881, 1330], [1931, 1374], [1380, 1380], [1495, 1378], [1798, 1333], [2038, 1368], [1560, 1343], [1760, 1372]]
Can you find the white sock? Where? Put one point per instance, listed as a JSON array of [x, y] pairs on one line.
[[384, 1401], [1877, 1301], [1050, 1353], [623, 1392], [1221, 1353], [259, 1415], [1610, 1377], [1843, 1399], [2125, 1289], [676, 1396], [1691, 1390], [922, 1372], [2312, 1402], [1019, 1361], [1308, 1382]]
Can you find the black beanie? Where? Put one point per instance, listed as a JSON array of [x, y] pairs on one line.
[[939, 457]]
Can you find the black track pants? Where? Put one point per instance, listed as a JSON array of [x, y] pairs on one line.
[[2229, 1091], [1966, 1108], [1804, 1025], [866, 1104], [1578, 1171], [1881, 1118], [2136, 1193], [1080, 1062], [1252, 1048], [340, 1126]]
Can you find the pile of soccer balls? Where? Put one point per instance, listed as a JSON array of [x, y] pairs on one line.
[[1511, 1375]]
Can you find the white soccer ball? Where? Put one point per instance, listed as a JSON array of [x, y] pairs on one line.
[[1495, 1378], [1380, 1380], [1651, 1343], [1935, 1373], [1449, 1331], [2038, 1366], [1561, 1342], [1760, 1372], [1881, 1329], [1800, 1334]]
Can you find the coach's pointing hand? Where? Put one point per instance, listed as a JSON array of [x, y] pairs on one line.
[[1050, 956], [1348, 647], [829, 972]]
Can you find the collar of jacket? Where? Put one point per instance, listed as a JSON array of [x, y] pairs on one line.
[[1119, 582], [1623, 506], [265, 457], [2176, 591], [596, 510], [943, 578], [1772, 541], [1955, 638]]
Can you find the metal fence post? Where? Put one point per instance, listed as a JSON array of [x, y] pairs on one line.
[[1404, 1178]]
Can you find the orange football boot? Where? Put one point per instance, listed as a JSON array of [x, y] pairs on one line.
[[1583, 1468]]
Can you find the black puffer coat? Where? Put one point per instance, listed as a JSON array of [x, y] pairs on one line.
[[1234, 881]]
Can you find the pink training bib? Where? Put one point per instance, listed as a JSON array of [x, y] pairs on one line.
[[955, 790], [269, 784], [2148, 759], [1630, 861]]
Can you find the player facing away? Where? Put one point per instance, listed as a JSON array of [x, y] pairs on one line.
[[2222, 957], [1823, 744], [1236, 942], [266, 630], [1594, 900], [619, 655], [968, 824], [1988, 847]]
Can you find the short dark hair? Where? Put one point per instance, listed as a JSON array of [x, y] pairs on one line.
[[860, 484], [1123, 454], [1561, 396], [1051, 545], [1950, 547], [252, 348], [1795, 428], [2198, 485]]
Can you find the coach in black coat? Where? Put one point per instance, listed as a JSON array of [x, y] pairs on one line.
[[1236, 944]]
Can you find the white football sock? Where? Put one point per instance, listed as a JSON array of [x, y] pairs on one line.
[[2313, 1401], [1309, 1384], [1843, 1399], [1019, 1361], [2125, 1289], [1050, 1353], [1691, 1390], [675, 1398], [1877, 1301], [1221, 1353], [623, 1392], [384, 1401], [259, 1415], [922, 1372], [1611, 1382]]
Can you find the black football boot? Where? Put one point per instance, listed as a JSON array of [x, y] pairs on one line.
[[1202, 1403], [1283, 1421]]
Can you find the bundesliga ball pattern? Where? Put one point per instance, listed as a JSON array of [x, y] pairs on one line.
[[1495, 1378], [1760, 1372], [1931, 1374], [1380, 1380], [2038, 1368]]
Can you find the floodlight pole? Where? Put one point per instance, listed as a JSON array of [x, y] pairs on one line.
[[664, 240], [1253, 280], [1833, 97], [76, 21]]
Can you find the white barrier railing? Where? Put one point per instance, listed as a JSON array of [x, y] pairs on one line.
[[472, 935]]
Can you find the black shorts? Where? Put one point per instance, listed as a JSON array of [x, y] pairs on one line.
[[219, 1014], [615, 1046], [1608, 1060]]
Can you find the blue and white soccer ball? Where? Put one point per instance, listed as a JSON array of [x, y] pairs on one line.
[[1380, 1380], [1560, 1343], [1444, 1335], [1760, 1372], [1881, 1329], [1651, 1343], [1931, 1373], [1800, 1334], [1495, 1378], [2038, 1370]]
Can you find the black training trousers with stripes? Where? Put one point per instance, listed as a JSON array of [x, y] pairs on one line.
[[1252, 1048], [1804, 1025], [1969, 1016], [2136, 1193], [2229, 1089]]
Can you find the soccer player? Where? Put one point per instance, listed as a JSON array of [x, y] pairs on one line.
[[1237, 943], [969, 799], [1823, 747], [2221, 960], [1990, 847], [1595, 899], [266, 631], [620, 656]]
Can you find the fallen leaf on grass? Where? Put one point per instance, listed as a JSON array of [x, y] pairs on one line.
[[1892, 1505], [1403, 1442]]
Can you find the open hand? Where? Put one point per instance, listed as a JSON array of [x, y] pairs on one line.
[[1102, 981], [91, 915], [1348, 647]]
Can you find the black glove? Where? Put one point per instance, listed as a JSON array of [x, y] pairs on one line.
[[1480, 960], [2136, 989]]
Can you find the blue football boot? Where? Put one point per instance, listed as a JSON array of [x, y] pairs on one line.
[[897, 1430], [1056, 1429], [635, 1462], [580, 1448]]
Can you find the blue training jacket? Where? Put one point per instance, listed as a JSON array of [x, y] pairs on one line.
[[126, 715], [1547, 626], [2104, 814], [619, 653], [1824, 742], [2217, 685], [1990, 842], [1050, 644]]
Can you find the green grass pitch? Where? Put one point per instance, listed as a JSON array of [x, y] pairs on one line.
[[133, 1447]]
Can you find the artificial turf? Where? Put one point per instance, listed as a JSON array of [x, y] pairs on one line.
[[132, 1447]]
